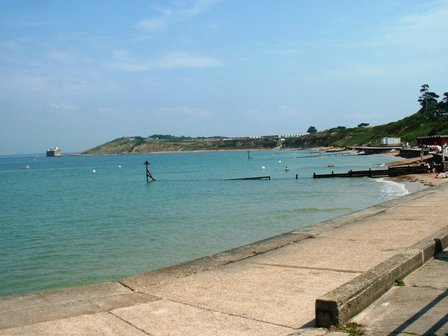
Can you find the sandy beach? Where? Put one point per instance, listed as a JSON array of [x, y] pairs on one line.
[[428, 180]]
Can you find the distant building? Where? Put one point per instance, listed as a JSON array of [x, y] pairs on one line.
[[275, 137], [390, 141], [53, 152]]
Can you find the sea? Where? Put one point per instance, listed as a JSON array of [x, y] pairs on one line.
[[75, 220]]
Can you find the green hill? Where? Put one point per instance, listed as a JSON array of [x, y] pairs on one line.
[[408, 129], [431, 119], [168, 143]]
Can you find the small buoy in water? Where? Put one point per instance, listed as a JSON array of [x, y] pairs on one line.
[[93, 171], [279, 161], [263, 167], [119, 166]]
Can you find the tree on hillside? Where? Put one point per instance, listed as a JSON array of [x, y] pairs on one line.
[[311, 129], [428, 99], [442, 106], [363, 125]]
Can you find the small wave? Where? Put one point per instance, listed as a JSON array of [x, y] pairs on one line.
[[392, 187]]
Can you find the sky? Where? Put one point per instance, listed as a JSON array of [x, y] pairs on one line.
[[76, 74]]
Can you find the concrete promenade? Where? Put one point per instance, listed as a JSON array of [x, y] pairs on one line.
[[420, 307], [272, 287]]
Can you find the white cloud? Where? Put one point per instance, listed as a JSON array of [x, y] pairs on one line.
[[422, 33], [10, 45], [62, 107], [166, 61], [197, 7], [174, 11], [65, 57], [153, 25]]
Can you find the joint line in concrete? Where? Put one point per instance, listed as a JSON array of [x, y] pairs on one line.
[[312, 268], [130, 324], [230, 314]]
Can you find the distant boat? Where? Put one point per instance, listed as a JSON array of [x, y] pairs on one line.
[[53, 152]]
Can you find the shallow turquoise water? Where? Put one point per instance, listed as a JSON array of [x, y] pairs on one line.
[[61, 224]]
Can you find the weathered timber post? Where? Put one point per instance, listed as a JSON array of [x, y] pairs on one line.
[[148, 173]]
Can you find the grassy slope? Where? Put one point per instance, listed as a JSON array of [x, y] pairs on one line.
[[408, 129], [143, 145]]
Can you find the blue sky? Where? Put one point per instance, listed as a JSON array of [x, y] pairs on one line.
[[79, 73]]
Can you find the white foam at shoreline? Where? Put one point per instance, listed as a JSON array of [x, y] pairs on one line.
[[392, 187]]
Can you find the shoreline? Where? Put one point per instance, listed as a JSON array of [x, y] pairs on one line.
[[428, 180], [401, 188], [412, 183], [270, 287], [416, 182]]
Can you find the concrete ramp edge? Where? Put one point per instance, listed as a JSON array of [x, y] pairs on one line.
[[339, 305]]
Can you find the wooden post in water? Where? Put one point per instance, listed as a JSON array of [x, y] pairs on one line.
[[148, 173]]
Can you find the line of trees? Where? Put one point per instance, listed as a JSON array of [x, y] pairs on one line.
[[429, 103]]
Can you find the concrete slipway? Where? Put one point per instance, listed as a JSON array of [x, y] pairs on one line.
[[280, 286]]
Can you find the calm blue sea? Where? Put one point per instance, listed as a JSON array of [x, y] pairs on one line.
[[84, 219]]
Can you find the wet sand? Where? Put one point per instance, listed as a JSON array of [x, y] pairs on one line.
[[428, 180]]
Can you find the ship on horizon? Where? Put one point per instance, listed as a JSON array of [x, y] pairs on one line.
[[53, 152]]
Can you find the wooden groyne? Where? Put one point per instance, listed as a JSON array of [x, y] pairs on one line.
[[251, 178], [391, 171]]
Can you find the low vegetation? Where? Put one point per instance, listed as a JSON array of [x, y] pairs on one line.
[[351, 328], [168, 143], [399, 283], [431, 119]]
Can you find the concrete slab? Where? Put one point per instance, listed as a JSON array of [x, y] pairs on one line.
[[396, 234], [64, 303], [407, 311], [419, 308], [173, 318], [103, 324], [411, 212], [433, 274], [280, 295], [68, 294], [208, 262], [328, 253]]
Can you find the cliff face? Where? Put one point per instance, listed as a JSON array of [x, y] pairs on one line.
[[128, 145]]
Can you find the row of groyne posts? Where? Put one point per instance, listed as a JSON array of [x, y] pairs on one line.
[[391, 171], [419, 165], [419, 162]]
